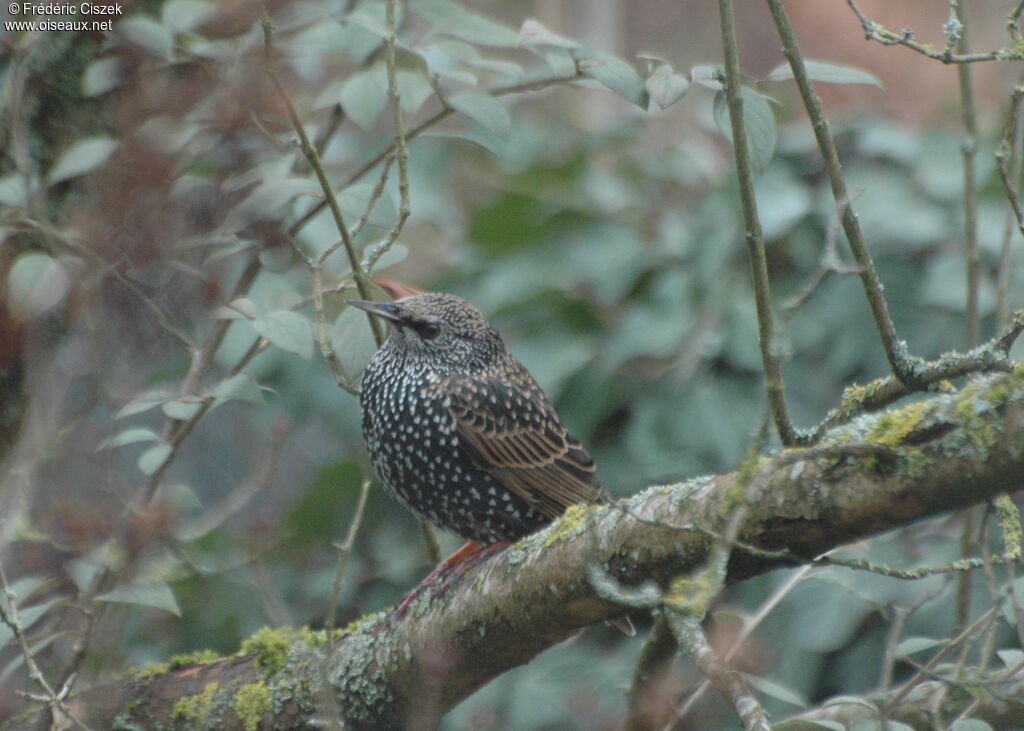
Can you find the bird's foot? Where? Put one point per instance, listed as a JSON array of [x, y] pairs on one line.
[[461, 561]]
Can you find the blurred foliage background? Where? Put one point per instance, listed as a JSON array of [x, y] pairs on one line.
[[146, 169]]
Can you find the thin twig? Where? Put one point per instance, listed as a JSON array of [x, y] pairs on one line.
[[1013, 22], [727, 681], [875, 32], [687, 598], [969, 148], [987, 647], [748, 629], [960, 565], [310, 153], [322, 338], [902, 614], [902, 365], [327, 133], [1010, 160], [655, 656], [923, 672], [378, 191], [754, 236], [401, 153], [345, 552], [9, 616], [992, 355], [829, 263]]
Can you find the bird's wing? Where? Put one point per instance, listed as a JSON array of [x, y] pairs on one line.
[[511, 430]]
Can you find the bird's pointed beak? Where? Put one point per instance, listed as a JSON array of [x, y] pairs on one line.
[[387, 310]]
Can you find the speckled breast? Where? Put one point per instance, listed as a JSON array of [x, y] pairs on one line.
[[418, 456]]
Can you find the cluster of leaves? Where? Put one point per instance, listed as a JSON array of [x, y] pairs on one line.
[[613, 264]]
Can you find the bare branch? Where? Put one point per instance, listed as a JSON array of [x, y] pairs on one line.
[[903, 365], [727, 681], [875, 32], [345, 551], [753, 235], [309, 151]]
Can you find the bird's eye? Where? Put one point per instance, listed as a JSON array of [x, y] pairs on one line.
[[428, 330]]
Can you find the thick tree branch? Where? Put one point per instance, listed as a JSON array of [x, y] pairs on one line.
[[934, 455]]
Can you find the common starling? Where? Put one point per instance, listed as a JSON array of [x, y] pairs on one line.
[[460, 432]]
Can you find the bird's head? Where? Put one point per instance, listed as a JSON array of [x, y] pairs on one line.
[[443, 329]]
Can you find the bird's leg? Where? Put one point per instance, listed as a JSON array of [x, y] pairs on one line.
[[466, 557], [468, 560]]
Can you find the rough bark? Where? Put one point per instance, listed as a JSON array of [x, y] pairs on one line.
[[879, 472]]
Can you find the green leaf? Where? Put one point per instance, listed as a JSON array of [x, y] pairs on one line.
[[266, 199], [15, 190], [177, 494], [561, 63], [242, 308], [277, 259], [413, 88], [102, 75], [443, 65], [774, 690], [372, 17], [478, 136], [352, 340], [1011, 658], [363, 29], [533, 33], [759, 121], [148, 34], [287, 330], [84, 569], [155, 594], [34, 649], [970, 724], [214, 50], [364, 96], [129, 436], [501, 66], [26, 588], [707, 75], [452, 19], [28, 617], [833, 73], [142, 403], [617, 75], [354, 199], [36, 283], [485, 109], [181, 409], [801, 724], [873, 725], [82, 157], [152, 459], [665, 86], [913, 645], [184, 16], [856, 700], [240, 387]]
